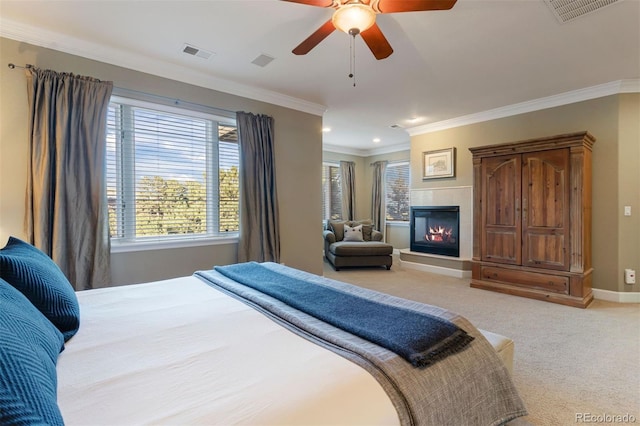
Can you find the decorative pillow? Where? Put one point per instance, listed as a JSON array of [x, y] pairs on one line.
[[38, 277], [366, 232], [353, 234], [28, 356], [337, 227]]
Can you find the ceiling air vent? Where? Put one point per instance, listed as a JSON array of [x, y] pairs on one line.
[[196, 51], [262, 60], [567, 10]]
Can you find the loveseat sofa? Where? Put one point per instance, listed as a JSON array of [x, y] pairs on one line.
[[342, 251]]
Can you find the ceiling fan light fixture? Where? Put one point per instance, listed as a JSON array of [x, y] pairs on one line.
[[354, 15]]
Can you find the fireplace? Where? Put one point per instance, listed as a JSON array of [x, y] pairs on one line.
[[435, 230]]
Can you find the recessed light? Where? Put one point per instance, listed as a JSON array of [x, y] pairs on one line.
[[414, 120], [326, 129], [376, 140]]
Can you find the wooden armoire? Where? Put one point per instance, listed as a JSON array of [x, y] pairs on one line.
[[532, 218]]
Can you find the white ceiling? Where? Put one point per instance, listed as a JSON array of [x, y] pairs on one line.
[[481, 55]]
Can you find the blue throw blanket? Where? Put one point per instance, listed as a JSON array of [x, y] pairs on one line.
[[419, 338]]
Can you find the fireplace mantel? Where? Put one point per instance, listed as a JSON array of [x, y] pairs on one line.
[[461, 196], [451, 196]]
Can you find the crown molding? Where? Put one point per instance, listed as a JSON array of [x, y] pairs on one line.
[[366, 152], [389, 149], [607, 89], [337, 149], [74, 46], [593, 92]]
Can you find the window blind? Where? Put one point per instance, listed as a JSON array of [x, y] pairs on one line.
[[397, 191], [331, 192], [170, 174]]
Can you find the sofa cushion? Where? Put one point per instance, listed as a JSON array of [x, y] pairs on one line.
[[337, 227], [353, 234], [366, 232], [364, 248]]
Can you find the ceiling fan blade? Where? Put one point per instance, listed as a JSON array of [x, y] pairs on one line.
[[314, 39], [319, 3], [377, 42], [393, 6]]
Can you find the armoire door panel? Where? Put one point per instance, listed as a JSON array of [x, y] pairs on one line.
[[545, 209], [547, 250], [501, 197], [501, 246]]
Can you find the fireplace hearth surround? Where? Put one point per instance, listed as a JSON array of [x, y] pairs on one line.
[[435, 230]]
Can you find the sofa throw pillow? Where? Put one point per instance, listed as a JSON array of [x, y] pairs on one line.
[[35, 275], [353, 234], [337, 227], [28, 356], [366, 232]]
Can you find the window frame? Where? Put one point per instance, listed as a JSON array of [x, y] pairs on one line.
[[119, 244]]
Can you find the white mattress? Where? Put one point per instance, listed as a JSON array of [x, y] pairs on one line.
[[181, 352]]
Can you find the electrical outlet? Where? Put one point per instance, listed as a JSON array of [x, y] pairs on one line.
[[629, 276]]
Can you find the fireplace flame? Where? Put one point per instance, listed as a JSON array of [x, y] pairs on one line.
[[439, 234]]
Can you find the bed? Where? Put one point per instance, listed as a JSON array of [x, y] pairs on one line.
[[206, 349]]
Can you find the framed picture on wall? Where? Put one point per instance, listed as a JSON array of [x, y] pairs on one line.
[[439, 164]]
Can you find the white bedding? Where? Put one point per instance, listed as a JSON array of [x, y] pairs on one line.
[[181, 352]]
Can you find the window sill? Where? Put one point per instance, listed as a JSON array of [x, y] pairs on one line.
[[397, 223], [124, 247]]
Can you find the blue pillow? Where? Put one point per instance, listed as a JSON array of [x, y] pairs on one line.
[[38, 277], [29, 348]]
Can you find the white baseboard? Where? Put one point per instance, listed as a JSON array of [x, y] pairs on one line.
[[457, 273], [616, 296]]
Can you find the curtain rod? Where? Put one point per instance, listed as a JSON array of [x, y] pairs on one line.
[[12, 66], [175, 101]]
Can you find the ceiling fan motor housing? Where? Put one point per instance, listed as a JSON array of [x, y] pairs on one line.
[[354, 16]]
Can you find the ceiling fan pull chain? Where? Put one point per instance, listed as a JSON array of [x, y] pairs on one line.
[[352, 59]]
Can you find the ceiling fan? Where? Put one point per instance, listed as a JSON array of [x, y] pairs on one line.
[[359, 17]]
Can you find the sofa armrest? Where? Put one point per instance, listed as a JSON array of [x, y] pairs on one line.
[[329, 236], [376, 235]]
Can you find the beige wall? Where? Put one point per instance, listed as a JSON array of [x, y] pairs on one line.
[[298, 146], [629, 188], [613, 121]]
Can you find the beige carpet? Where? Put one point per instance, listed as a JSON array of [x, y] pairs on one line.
[[569, 364]]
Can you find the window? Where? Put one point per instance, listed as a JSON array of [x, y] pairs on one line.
[[331, 192], [172, 174], [397, 191]]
